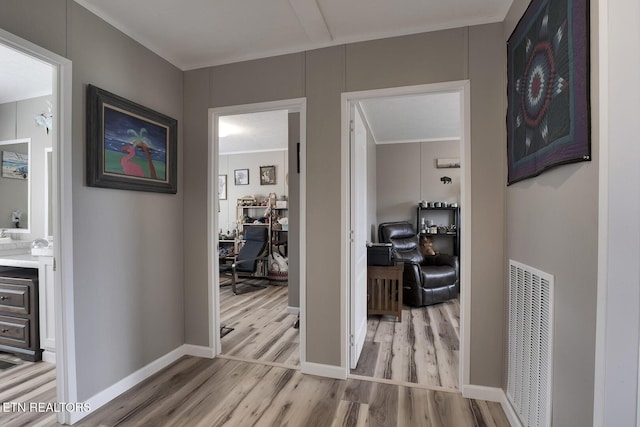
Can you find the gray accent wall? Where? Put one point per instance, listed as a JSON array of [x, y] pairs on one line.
[[552, 225], [128, 246], [407, 173], [475, 53]]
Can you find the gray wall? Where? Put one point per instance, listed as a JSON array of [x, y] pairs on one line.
[[475, 53], [407, 173], [128, 268], [128, 245], [552, 225]]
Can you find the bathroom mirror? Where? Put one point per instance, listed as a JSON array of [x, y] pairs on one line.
[[15, 185]]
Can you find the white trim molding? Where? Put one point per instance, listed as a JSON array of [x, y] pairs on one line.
[[107, 395], [292, 105], [492, 394], [293, 310], [463, 88], [199, 351], [321, 370], [479, 392], [66, 381], [49, 357]]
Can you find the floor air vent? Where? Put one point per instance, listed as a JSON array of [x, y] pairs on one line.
[[530, 344]]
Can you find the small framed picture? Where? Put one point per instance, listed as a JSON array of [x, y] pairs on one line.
[[241, 176], [267, 175], [222, 187]]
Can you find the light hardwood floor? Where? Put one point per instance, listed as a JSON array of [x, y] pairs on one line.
[[204, 392], [422, 349], [27, 382], [215, 392], [263, 330]]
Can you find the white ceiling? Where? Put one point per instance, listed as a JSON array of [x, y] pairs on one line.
[[416, 118], [23, 77], [254, 132], [198, 33], [401, 119]]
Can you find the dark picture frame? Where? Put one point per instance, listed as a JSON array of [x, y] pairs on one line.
[[222, 187], [129, 146], [548, 88], [267, 175], [241, 177]]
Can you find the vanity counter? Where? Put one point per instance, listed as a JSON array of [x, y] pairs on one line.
[[25, 260]]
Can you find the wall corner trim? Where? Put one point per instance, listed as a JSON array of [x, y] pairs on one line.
[[329, 371], [105, 396], [199, 351], [492, 394], [293, 310]]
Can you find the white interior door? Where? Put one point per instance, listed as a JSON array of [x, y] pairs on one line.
[[358, 152]]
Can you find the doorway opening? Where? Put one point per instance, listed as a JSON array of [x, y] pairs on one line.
[[41, 113], [407, 172], [256, 217]]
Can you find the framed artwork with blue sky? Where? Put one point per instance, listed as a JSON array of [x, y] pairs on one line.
[[129, 147]]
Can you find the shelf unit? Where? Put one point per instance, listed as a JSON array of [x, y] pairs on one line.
[[451, 214], [252, 211], [278, 235]]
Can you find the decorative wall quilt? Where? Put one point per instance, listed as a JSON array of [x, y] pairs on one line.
[[548, 120]]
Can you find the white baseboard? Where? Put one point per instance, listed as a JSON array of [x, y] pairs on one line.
[[321, 370], [105, 396], [492, 394], [49, 356], [293, 310], [509, 412], [199, 351]]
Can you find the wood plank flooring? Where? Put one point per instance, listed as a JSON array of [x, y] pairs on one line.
[[422, 349], [216, 392], [27, 382], [263, 330]]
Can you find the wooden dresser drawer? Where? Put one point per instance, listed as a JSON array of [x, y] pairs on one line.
[[14, 331], [14, 298]]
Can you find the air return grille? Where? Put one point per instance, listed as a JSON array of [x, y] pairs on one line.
[[530, 344]]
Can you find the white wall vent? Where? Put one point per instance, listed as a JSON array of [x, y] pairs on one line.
[[530, 330]]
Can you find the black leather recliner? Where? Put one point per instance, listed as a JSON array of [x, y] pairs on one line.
[[427, 279]]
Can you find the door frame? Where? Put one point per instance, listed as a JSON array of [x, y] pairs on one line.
[[66, 380], [292, 105], [356, 337], [463, 88]]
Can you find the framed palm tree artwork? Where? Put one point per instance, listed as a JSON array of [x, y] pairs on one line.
[[129, 147]]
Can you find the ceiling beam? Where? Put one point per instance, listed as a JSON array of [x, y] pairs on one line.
[[312, 21]]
